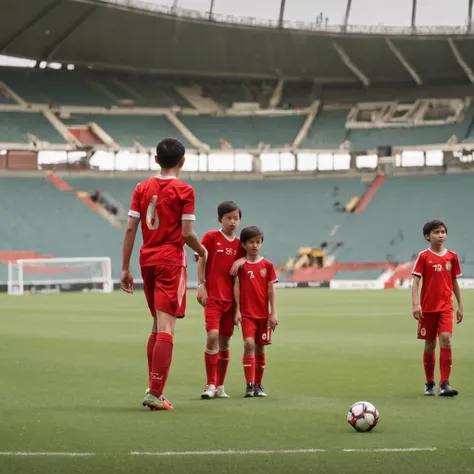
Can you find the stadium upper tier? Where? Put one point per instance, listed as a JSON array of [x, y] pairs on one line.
[[94, 33]]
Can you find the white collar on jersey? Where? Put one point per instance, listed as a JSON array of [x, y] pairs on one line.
[[256, 261], [160, 176], [226, 236], [442, 254]]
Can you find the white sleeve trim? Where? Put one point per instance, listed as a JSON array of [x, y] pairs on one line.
[[274, 281], [459, 275], [188, 217], [416, 273], [134, 214]]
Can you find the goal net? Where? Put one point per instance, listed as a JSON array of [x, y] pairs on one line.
[[51, 275]]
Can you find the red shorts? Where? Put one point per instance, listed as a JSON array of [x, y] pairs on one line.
[[434, 323], [257, 329], [220, 315], [165, 289]]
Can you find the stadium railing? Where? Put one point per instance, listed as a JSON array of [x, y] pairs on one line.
[[293, 25]]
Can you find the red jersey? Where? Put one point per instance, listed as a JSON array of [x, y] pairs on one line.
[[438, 272], [253, 279], [161, 203], [222, 252]]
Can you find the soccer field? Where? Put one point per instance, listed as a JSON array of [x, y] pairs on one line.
[[73, 374]]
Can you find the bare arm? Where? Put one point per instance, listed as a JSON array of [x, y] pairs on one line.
[[273, 319], [415, 301], [457, 294], [191, 239], [202, 291], [238, 316], [201, 269], [126, 279]]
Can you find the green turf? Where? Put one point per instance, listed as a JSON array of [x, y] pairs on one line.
[[73, 373]]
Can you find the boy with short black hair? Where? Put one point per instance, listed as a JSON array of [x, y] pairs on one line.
[[439, 268], [164, 206], [254, 293], [215, 294]]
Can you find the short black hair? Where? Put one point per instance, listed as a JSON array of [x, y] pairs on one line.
[[249, 233], [169, 152], [432, 225], [228, 206]]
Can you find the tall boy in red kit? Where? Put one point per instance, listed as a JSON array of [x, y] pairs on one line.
[[165, 207], [215, 294], [439, 269]]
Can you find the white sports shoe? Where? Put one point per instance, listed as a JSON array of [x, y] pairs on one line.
[[209, 392], [220, 392]]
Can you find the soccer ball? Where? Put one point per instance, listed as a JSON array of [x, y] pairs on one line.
[[363, 416]]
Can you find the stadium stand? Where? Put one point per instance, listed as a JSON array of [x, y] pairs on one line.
[[151, 92], [126, 129], [227, 94], [15, 125], [390, 228], [330, 76], [328, 130], [54, 87], [52, 222], [371, 138], [244, 132], [307, 208]]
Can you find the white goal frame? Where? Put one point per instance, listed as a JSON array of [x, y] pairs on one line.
[[16, 275]]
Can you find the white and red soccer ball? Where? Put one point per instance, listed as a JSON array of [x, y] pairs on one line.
[[363, 416]]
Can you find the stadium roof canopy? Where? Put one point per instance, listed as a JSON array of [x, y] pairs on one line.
[[102, 35]]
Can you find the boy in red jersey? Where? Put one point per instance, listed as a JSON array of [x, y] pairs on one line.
[[439, 268], [165, 207], [215, 294], [255, 308]]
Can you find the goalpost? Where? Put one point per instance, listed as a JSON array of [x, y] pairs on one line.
[[60, 274]]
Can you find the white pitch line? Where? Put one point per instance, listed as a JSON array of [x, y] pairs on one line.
[[388, 450], [26, 453], [229, 452]]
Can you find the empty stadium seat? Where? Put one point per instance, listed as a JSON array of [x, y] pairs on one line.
[[151, 92], [391, 225], [58, 87], [125, 129], [291, 213], [327, 131], [244, 132], [14, 126], [371, 138], [53, 222]]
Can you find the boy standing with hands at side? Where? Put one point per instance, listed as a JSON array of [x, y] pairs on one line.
[[254, 294]]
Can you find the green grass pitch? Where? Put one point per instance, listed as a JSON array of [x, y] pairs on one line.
[[73, 374]]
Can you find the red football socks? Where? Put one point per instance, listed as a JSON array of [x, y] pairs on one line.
[[162, 355], [222, 365], [149, 353], [429, 361], [210, 359], [249, 368], [445, 363], [259, 368]]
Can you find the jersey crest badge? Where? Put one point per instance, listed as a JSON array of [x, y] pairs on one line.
[[448, 266], [263, 272]]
